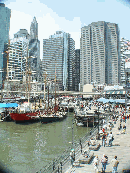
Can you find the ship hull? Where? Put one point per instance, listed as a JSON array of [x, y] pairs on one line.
[[50, 119], [24, 117]]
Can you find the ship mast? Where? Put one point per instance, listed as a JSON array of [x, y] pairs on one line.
[[7, 75], [45, 76], [28, 75], [55, 88]]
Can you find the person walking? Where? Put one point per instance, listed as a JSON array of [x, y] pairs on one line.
[[110, 136], [124, 129], [72, 156], [103, 139], [104, 163], [115, 163], [96, 164]]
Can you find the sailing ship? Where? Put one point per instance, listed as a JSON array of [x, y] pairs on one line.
[[52, 114], [24, 112]]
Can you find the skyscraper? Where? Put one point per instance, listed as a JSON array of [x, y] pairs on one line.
[[34, 47], [5, 14], [76, 70], [34, 29], [125, 46], [17, 57], [58, 53], [99, 53], [22, 33]]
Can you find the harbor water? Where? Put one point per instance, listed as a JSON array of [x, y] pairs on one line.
[[30, 147]]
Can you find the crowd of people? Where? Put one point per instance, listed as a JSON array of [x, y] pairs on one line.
[[106, 132], [107, 139], [104, 161]]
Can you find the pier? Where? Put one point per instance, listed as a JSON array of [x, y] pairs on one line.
[[120, 148]]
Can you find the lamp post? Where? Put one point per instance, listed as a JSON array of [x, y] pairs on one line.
[[97, 112], [72, 152], [73, 133], [98, 120]]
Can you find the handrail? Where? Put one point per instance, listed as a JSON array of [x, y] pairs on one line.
[[62, 163]]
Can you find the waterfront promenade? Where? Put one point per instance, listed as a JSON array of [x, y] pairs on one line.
[[120, 147]]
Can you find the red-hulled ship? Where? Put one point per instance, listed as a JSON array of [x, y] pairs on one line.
[[24, 114]]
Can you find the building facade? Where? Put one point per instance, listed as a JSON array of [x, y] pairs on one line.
[[22, 33], [76, 71], [125, 48], [99, 54], [58, 55], [112, 49], [34, 48], [17, 58], [5, 14]]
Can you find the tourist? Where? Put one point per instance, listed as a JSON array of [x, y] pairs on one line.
[[110, 136], [103, 139], [96, 164], [72, 156], [123, 118], [120, 127], [115, 163], [104, 163], [124, 129]]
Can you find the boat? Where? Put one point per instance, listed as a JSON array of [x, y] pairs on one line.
[[52, 114], [49, 118], [80, 124], [5, 110], [24, 114]]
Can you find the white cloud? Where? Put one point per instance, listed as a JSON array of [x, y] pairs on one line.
[[48, 20], [17, 21]]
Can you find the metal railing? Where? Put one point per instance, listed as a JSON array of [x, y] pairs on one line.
[[62, 163]]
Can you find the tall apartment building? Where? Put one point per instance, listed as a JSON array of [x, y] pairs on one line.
[[99, 54], [125, 46], [58, 53], [34, 47], [112, 54], [76, 70], [17, 58], [5, 14]]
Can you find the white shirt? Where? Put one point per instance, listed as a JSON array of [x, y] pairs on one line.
[[110, 136]]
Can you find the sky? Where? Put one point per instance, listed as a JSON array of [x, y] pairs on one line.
[[68, 16]]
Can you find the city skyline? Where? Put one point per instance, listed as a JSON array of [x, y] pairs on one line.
[[52, 17]]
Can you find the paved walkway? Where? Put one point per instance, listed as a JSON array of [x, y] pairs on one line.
[[122, 151]]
